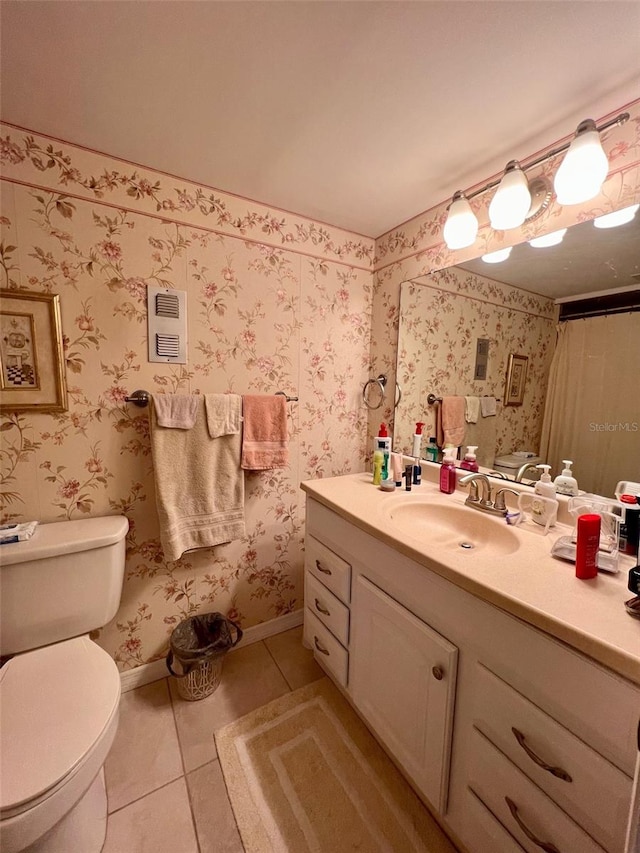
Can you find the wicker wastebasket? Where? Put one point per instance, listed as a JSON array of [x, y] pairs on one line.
[[198, 644]]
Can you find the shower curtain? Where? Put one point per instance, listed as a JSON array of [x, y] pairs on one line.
[[592, 411]]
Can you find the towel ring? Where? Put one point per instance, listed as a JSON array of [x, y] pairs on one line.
[[381, 382]]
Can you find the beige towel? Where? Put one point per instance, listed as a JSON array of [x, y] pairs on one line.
[[175, 411], [223, 414], [199, 486], [471, 409], [264, 434], [452, 420], [488, 406]]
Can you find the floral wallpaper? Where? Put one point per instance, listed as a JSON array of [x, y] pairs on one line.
[[275, 302], [417, 248], [288, 310], [442, 317]]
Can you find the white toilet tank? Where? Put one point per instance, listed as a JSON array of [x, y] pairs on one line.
[[64, 581]]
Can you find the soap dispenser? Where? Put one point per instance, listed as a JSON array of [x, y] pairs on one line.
[[470, 463], [541, 510], [566, 483]]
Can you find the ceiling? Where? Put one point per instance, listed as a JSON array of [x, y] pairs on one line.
[[360, 114]]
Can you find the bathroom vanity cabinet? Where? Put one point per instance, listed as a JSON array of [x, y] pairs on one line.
[[516, 739]]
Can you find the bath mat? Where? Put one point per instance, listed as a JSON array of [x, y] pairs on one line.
[[304, 774]]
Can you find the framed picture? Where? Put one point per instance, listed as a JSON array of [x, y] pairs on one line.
[[32, 374], [516, 378]]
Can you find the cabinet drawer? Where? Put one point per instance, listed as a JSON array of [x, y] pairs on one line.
[[329, 568], [326, 649], [487, 833], [329, 609], [520, 805], [596, 794]]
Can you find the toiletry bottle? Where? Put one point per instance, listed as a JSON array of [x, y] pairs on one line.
[[432, 449], [408, 476], [448, 471], [396, 469], [469, 462], [417, 471], [587, 542], [566, 483], [545, 488], [382, 442], [417, 440], [378, 458]]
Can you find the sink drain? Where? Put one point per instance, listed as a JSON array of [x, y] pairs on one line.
[[467, 545]]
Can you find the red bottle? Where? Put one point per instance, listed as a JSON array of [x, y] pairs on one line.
[[588, 541]]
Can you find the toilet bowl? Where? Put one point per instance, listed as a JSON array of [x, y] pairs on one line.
[[59, 710], [58, 702]]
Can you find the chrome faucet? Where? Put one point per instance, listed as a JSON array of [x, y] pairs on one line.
[[480, 501], [521, 471], [499, 502]]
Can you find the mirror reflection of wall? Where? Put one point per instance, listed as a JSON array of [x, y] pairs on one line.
[[443, 315]]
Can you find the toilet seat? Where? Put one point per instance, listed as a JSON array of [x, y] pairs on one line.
[[56, 704]]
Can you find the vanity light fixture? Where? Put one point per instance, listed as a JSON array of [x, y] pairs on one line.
[[497, 256], [618, 217], [551, 239], [584, 168], [461, 227], [510, 205], [579, 178]]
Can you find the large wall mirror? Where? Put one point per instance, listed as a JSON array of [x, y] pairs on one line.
[[583, 404]]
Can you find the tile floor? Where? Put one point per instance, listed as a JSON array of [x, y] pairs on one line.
[[164, 783]]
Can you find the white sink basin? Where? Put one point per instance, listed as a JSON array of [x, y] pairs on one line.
[[451, 526]]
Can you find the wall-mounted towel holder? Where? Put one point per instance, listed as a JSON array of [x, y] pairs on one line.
[[431, 399], [379, 382], [141, 398]]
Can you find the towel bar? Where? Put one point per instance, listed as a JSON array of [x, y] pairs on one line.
[[141, 398], [431, 399]]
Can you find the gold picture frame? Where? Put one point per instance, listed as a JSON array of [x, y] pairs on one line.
[[32, 371], [516, 379]]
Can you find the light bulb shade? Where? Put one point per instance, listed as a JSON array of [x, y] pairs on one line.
[[551, 239], [511, 203], [461, 227], [584, 168], [497, 256], [618, 217]]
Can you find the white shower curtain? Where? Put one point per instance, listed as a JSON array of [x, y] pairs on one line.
[[592, 411]]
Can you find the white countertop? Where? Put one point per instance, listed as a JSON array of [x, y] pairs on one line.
[[528, 583]]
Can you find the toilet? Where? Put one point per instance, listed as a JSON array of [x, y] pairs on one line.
[[59, 691], [510, 464]]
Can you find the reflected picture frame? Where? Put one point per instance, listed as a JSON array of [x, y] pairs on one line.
[[516, 379], [32, 369]]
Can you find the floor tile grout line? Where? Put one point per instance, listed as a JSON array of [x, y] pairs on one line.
[[184, 768], [273, 658], [142, 796]]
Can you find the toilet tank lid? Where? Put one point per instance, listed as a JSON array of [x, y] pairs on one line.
[[66, 537]]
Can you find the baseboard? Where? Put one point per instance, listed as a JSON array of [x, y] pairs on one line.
[[148, 672]]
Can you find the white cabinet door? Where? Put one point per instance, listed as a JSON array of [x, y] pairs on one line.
[[402, 676]]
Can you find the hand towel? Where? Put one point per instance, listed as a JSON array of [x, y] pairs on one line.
[[223, 414], [453, 420], [488, 406], [264, 434], [471, 409], [176, 411], [199, 485]]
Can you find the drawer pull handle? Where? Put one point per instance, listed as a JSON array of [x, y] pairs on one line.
[[555, 771], [322, 569], [547, 846], [438, 673], [319, 647], [322, 609]]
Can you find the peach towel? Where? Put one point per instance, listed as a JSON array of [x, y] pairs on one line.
[[176, 411], [264, 435], [450, 421]]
